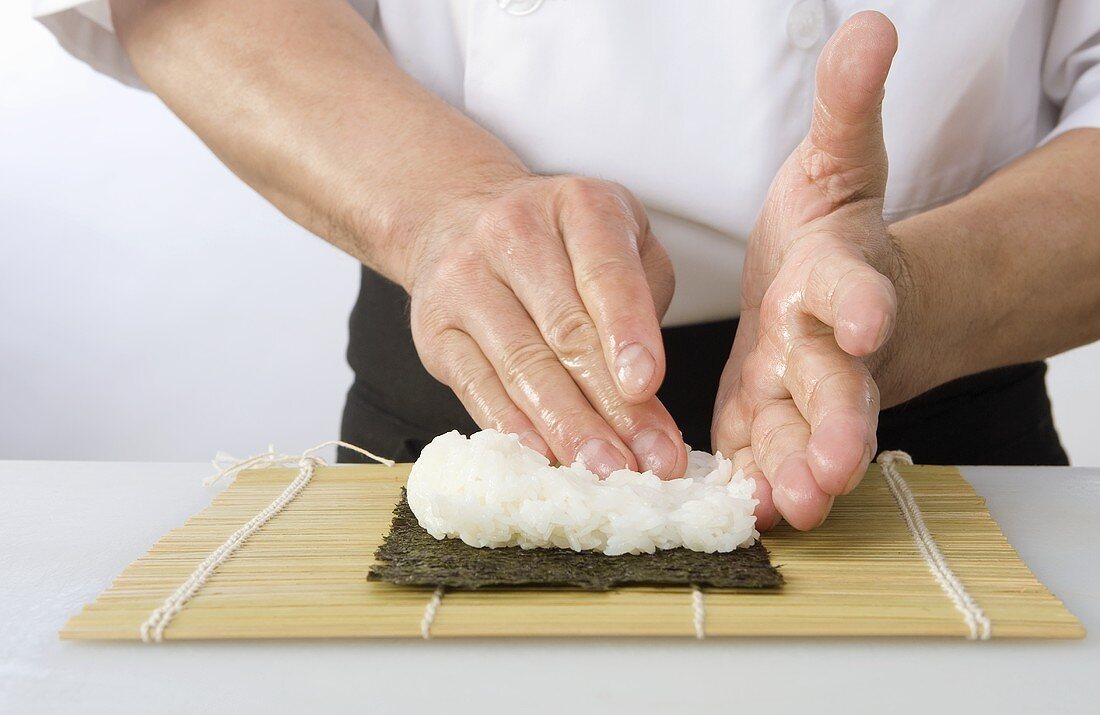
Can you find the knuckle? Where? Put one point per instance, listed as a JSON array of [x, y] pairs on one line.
[[763, 374], [785, 345], [874, 288], [439, 353], [571, 334], [434, 302], [602, 199], [744, 459], [802, 343], [841, 180], [822, 170], [831, 276], [461, 265], [860, 272], [508, 219], [424, 321], [526, 361], [583, 190], [867, 283], [659, 269], [826, 285], [466, 378], [564, 428], [842, 389], [769, 435], [611, 272], [662, 289], [469, 388], [815, 388], [806, 251]]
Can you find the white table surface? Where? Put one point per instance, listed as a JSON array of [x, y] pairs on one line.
[[66, 529]]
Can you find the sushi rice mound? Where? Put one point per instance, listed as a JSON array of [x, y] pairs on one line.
[[490, 491]]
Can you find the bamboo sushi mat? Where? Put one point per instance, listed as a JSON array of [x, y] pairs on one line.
[[303, 575]]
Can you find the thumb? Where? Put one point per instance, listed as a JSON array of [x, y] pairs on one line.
[[847, 156]]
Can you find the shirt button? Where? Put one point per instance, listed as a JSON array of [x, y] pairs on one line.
[[519, 7], [805, 23]]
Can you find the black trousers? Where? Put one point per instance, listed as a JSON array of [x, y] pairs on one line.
[[395, 407]]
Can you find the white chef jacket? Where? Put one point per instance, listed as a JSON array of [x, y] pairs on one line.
[[694, 105]]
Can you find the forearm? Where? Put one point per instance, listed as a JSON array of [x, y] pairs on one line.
[[303, 102], [1010, 272]]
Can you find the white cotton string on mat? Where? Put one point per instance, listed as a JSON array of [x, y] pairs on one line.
[[976, 621], [698, 612], [152, 630], [429, 613]]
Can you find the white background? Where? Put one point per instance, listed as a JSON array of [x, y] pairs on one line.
[[152, 307]]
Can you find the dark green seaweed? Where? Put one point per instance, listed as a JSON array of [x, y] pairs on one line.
[[410, 556]]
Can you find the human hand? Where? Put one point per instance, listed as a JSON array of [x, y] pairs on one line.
[[538, 302], [823, 280]]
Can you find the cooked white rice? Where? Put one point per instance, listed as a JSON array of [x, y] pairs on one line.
[[490, 490]]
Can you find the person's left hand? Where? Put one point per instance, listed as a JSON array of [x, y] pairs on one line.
[[798, 402]]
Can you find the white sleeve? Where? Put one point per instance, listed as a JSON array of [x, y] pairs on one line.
[[84, 29], [1071, 68]]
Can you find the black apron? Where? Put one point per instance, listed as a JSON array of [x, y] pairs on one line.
[[395, 407]]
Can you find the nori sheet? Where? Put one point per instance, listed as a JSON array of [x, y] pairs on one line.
[[410, 556]]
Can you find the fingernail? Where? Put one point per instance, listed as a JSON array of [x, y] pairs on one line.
[[655, 452], [531, 439], [600, 457], [634, 369]]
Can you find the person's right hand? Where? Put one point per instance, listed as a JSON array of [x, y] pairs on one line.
[[539, 305]]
